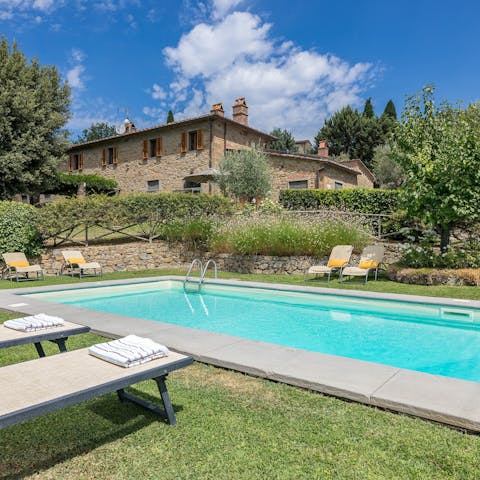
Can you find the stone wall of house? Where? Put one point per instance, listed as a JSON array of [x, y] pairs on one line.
[[134, 256], [132, 172], [317, 175]]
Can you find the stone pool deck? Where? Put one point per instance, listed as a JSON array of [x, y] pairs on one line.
[[442, 399]]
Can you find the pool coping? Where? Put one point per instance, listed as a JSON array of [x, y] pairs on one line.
[[442, 399]]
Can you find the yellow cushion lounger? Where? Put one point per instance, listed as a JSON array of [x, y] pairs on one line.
[[73, 262], [370, 259], [17, 266], [339, 258]]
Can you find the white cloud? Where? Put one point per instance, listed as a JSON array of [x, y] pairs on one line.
[[75, 75], [221, 7], [235, 55], [158, 93], [43, 4]]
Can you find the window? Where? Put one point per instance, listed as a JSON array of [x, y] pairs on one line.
[[153, 185], [25, 199], [192, 187], [192, 140], [338, 185], [110, 155], [75, 162], [298, 184], [152, 150]]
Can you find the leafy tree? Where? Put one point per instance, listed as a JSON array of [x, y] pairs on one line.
[[170, 117], [439, 149], [245, 174], [96, 131], [33, 109], [285, 142], [390, 110], [340, 132], [368, 111], [388, 172]]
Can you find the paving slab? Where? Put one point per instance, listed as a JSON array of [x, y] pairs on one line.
[[442, 399]]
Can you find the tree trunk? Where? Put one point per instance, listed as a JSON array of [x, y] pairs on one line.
[[444, 237]]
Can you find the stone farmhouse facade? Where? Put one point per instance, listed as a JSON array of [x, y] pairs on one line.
[[184, 156]]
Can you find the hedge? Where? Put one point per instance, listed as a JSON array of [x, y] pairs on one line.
[[18, 232], [148, 211], [68, 183], [361, 200]]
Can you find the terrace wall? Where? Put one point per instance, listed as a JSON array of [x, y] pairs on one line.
[[134, 256]]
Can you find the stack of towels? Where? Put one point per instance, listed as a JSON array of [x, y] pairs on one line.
[[40, 321], [129, 351]]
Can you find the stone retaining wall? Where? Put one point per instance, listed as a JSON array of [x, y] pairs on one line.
[[158, 255]]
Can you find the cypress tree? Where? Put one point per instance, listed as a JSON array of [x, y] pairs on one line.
[[170, 118], [390, 110], [368, 109]]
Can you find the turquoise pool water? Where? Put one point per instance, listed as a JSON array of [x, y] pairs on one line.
[[429, 338]]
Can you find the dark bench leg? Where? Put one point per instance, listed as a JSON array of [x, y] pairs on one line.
[[167, 412], [40, 351], [61, 344], [59, 341]]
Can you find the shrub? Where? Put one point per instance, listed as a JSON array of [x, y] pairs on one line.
[[195, 233], [286, 236], [148, 211], [361, 200], [67, 184], [18, 231]]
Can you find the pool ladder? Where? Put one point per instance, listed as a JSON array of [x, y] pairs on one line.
[[203, 271]]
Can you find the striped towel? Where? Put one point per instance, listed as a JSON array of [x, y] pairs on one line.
[[129, 351], [40, 321]]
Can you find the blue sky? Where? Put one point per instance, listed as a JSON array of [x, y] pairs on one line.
[[295, 62]]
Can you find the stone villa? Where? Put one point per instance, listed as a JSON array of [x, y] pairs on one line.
[[184, 156]]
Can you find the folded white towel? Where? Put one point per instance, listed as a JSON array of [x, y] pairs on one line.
[[129, 351], [40, 321]]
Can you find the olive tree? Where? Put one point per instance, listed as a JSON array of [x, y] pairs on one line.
[[439, 150], [245, 174]]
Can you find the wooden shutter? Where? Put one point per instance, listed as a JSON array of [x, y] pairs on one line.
[[115, 155], [158, 147], [145, 149], [183, 148], [80, 161], [70, 163], [200, 139], [104, 157]]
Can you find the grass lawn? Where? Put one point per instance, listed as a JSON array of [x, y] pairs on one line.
[[382, 285], [232, 426]]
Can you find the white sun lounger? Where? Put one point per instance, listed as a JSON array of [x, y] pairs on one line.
[[74, 262], [370, 260], [17, 265], [339, 258], [58, 335], [37, 387]]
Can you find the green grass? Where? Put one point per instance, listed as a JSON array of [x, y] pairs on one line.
[[382, 285], [232, 426]]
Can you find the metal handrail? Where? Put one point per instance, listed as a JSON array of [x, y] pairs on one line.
[[205, 268], [194, 261]]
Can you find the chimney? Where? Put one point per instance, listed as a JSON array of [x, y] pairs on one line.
[[322, 149], [217, 109], [129, 126], [240, 111]]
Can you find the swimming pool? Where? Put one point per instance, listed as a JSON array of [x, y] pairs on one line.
[[431, 338]]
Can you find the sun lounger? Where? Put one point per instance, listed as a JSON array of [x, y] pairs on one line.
[[370, 260], [17, 266], [339, 258], [58, 335], [34, 388], [73, 262]]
